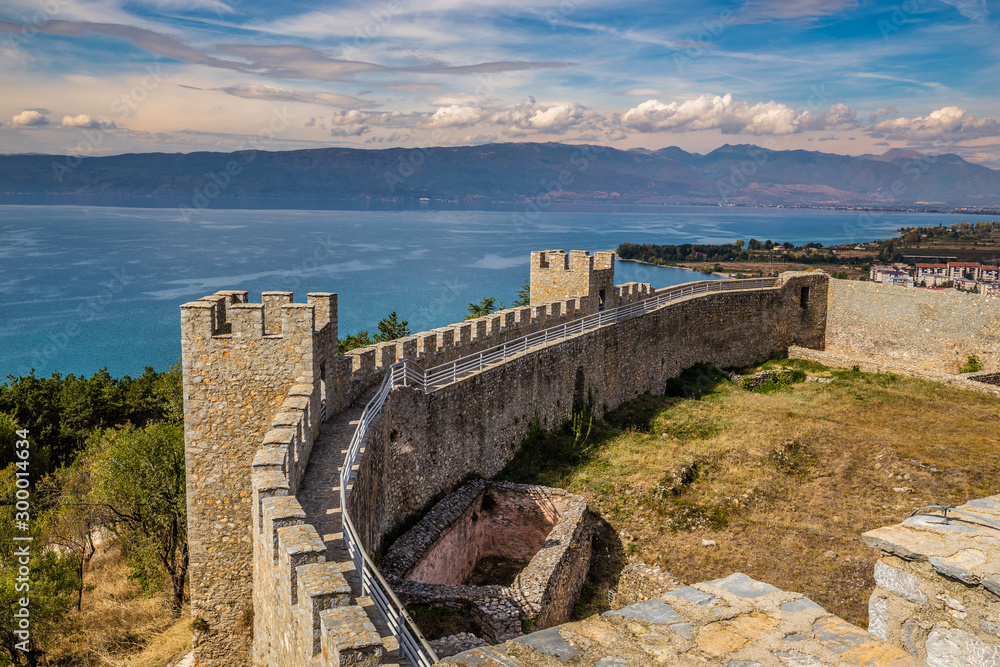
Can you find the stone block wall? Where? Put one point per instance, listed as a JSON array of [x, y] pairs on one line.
[[293, 584], [638, 582], [548, 528], [937, 588], [425, 445], [246, 368], [557, 275], [927, 329]]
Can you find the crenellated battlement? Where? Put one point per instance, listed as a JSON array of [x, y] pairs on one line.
[[259, 379], [229, 313], [557, 275]]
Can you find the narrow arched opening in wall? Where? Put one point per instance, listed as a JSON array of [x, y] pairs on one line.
[[579, 390]]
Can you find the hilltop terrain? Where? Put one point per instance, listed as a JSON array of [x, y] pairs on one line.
[[730, 175], [781, 480]]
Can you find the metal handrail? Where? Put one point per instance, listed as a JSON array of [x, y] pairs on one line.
[[949, 508], [407, 373], [411, 641], [432, 378]]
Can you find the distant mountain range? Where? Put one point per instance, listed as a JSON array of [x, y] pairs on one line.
[[520, 172]]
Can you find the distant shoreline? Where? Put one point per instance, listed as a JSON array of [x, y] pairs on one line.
[[661, 266], [415, 204]]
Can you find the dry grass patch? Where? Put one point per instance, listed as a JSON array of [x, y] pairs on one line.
[[117, 625], [784, 479]]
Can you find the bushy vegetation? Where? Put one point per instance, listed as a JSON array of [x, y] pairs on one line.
[[105, 469], [389, 328], [62, 411], [972, 364], [754, 251]]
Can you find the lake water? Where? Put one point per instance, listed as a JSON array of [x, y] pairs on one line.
[[84, 287]]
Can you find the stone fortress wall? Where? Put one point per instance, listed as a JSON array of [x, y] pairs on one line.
[[926, 329], [260, 378], [428, 443]]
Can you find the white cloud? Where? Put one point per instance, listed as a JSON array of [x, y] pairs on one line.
[[783, 10], [974, 10], [456, 116], [549, 118], [708, 112], [29, 118], [211, 5], [945, 125], [349, 124], [837, 117], [83, 120]]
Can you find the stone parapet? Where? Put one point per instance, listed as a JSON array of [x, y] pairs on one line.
[[735, 621], [937, 588]]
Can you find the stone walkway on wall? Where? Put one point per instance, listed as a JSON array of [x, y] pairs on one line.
[[319, 495], [731, 622]]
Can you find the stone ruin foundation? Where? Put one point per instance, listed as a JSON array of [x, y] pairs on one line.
[[495, 559]]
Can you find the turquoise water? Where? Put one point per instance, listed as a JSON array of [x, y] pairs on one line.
[[86, 287]]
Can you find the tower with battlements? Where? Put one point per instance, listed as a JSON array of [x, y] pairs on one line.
[[556, 276], [241, 361]]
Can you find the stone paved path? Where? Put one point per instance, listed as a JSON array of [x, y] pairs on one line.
[[319, 494]]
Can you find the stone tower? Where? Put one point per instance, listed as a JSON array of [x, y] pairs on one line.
[[557, 276], [240, 361]]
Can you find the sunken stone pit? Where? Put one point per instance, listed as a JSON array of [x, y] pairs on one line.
[[495, 559]]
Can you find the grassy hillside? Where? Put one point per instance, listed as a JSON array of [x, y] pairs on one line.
[[784, 478]]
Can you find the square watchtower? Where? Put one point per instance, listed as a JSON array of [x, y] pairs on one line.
[[557, 276]]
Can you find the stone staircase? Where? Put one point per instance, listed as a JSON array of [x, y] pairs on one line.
[[356, 634]]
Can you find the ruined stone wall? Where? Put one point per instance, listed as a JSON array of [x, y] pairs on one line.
[[937, 591], [246, 367], [426, 444], [927, 329], [638, 582]]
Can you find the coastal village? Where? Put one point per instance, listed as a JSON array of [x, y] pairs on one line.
[[963, 276]]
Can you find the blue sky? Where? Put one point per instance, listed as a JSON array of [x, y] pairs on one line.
[[842, 76]]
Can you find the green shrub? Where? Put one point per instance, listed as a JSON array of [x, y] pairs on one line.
[[972, 365]]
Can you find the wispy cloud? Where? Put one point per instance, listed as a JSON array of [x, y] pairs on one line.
[[974, 10], [257, 91]]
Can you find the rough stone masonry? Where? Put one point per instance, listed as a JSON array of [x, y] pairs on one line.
[[257, 378]]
